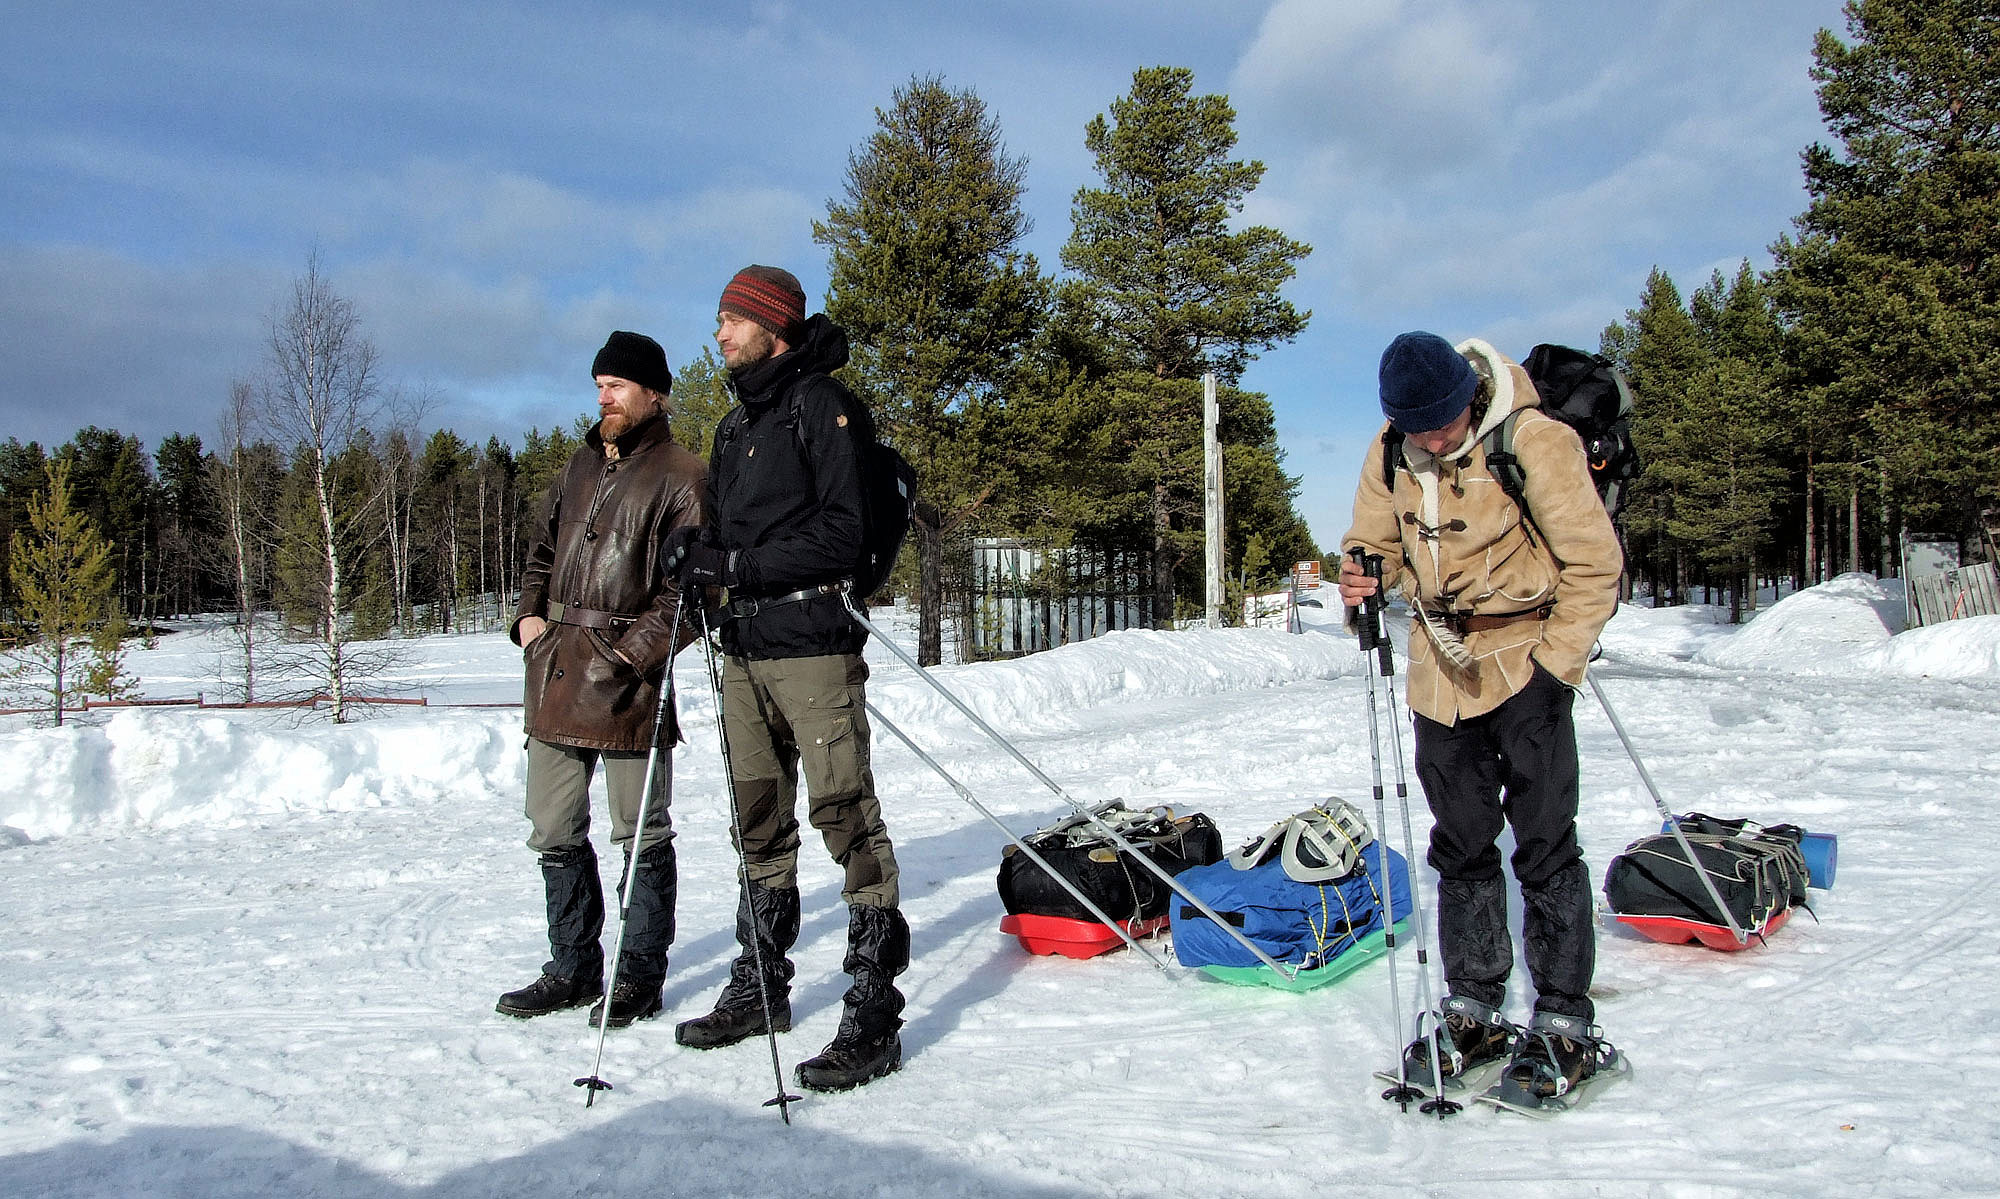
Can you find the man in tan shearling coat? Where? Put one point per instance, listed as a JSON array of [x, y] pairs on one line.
[[1507, 605]]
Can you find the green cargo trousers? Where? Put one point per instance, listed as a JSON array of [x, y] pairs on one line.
[[788, 715], [558, 804]]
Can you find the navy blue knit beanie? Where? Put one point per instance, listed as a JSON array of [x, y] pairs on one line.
[[1425, 383]]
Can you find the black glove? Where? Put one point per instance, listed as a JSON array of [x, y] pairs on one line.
[[688, 557]]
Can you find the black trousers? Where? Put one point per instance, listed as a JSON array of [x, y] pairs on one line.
[[1515, 765]]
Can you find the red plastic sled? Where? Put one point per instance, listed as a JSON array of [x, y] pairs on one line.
[[1074, 938], [1673, 930]]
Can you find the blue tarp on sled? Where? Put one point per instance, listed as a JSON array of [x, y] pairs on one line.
[[1324, 930]]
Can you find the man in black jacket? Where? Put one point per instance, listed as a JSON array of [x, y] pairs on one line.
[[785, 502]]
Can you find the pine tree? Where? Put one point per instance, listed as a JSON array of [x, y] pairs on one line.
[[444, 473], [23, 476], [62, 568], [114, 487], [701, 398], [939, 302], [1892, 286], [1164, 290], [1661, 353]]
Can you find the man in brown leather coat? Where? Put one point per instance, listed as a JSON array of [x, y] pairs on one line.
[[595, 625]]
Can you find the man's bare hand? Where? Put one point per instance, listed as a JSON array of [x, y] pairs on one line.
[[1354, 585], [530, 628]]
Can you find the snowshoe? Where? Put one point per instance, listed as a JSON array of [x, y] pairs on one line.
[[629, 1002], [1472, 1049], [1559, 1063], [549, 993]]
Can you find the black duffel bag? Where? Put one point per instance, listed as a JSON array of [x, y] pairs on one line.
[[1082, 852], [1758, 870]]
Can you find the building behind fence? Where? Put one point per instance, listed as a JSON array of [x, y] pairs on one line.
[[1022, 597]]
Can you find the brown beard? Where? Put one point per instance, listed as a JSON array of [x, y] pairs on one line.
[[613, 425], [762, 347]]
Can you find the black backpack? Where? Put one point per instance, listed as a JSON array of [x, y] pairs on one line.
[[1758, 870], [1095, 865], [1587, 393], [888, 499], [1583, 391]]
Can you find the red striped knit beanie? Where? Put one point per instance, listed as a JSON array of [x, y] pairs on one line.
[[769, 295]]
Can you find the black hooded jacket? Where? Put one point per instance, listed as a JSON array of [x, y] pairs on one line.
[[784, 496]]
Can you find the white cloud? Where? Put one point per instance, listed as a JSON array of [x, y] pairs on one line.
[[1400, 87]]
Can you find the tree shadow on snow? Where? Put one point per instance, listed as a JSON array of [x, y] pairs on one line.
[[680, 1147]]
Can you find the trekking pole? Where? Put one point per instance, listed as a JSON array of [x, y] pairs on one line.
[[783, 1100], [1112, 834], [1438, 1104], [1368, 629], [1667, 814], [965, 794], [592, 1083]]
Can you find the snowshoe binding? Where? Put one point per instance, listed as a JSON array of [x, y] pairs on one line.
[[1559, 1063], [1471, 1042]]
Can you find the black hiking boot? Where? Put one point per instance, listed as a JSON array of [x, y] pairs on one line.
[[629, 1001], [867, 1045], [1556, 1053], [549, 993], [1477, 1035], [852, 1058], [735, 1018]]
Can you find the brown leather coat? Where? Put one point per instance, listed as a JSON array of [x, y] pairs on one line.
[[593, 573], [1452, 540]]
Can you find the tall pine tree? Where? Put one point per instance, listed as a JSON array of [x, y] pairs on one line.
[[939, 301], [1892, 286], [1165, 290]]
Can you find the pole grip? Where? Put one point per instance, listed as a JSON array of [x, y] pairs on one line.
[[1367, 617], [1370, 619]]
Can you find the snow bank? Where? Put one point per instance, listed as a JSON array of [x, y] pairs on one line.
[[1820, 630], [164, 767], [1044, 692], [168, 767], [1957, 649]]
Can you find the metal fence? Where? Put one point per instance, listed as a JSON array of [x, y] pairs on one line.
[[1023, 597]]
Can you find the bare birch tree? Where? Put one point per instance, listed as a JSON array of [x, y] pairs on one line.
[[320, 393], [243, 525]]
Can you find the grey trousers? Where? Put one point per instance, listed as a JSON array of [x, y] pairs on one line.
[[790, 716], [559, 795]]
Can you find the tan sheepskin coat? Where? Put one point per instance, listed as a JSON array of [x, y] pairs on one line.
[[1452, 540]]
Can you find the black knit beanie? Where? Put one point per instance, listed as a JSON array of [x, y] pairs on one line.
[[634, 356]]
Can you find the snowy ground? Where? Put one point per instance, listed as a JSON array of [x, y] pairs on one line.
[[252, 956]]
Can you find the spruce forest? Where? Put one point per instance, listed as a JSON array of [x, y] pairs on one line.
[[1797, 422], [1794, 421]]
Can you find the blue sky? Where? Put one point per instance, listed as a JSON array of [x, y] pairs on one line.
[[497, 186]]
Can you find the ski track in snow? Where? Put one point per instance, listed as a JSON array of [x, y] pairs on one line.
[[301, 1002]]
